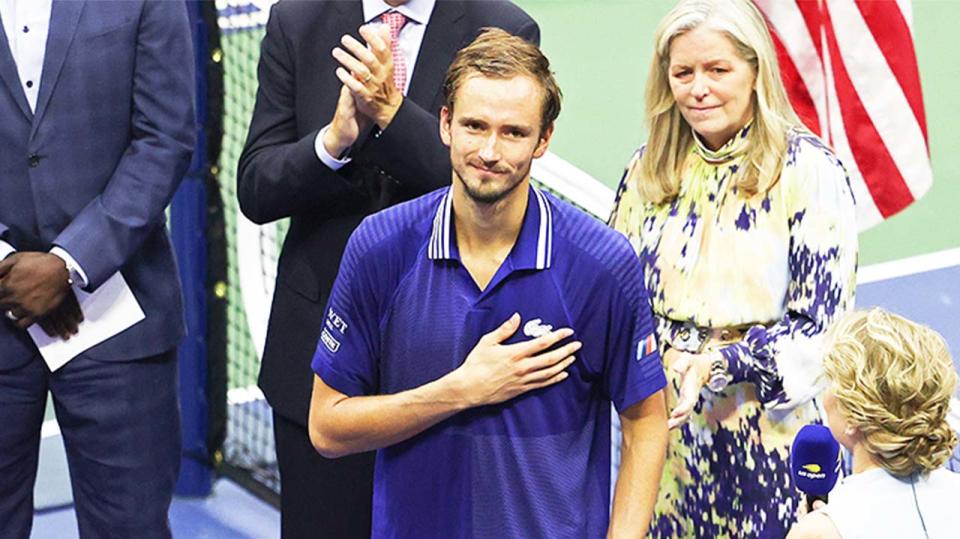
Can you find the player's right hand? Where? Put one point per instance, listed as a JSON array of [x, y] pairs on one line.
[[495, 372]]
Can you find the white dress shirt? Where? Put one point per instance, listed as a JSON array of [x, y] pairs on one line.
[[26, 24], [410, 38]]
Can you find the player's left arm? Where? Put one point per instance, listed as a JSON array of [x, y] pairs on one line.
[[643, 452]]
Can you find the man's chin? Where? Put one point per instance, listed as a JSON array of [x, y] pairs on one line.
[[488, 192], [486, 196], [489, 195]]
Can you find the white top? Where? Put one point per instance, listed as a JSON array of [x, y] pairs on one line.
[[876, 504], [26, 22]]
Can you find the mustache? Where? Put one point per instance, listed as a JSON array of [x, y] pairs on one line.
[[497, 169]]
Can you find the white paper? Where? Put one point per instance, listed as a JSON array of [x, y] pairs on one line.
[[107, 311]]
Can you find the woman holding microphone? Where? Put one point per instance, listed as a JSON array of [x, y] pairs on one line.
[[889, 383]]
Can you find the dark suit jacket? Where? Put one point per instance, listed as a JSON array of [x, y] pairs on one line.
[[280, 175], [94, 168]]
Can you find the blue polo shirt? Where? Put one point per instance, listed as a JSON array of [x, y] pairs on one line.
[[404, 311]]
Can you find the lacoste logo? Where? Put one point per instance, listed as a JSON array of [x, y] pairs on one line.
[[536, 328]]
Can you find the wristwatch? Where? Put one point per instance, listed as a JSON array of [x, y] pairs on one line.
[[719, 374]]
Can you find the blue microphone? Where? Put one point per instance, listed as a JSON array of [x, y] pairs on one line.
[[815, 462]]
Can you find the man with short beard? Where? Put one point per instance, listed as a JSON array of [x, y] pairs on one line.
[[477, 335], [345, 124]]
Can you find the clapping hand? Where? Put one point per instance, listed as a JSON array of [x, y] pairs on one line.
[[367, 71]]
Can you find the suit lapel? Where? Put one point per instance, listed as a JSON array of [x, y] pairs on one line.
[[63, 25], [11, 79], [444, 37]]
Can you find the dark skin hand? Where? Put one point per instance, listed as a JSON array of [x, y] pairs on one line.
[[33, 286], [64, 320]]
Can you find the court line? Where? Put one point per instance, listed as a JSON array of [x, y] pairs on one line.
[[908, 266]]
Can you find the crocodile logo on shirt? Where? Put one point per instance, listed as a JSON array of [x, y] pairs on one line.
[[536, 328]]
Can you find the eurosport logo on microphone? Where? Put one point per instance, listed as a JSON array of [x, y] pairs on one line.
[[811, 471]]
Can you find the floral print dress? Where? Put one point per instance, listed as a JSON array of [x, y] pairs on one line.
[[778, 267]]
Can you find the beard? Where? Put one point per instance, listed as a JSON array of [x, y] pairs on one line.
[[491, 194]]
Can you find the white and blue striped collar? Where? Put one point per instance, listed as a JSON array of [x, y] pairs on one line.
[[534, 247]]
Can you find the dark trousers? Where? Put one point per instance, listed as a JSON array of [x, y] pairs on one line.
[[121, 429], [321, 497]]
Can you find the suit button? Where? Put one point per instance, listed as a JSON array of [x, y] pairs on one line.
[[34, 160]]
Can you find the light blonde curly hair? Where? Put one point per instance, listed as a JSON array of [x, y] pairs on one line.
[[893, 379]]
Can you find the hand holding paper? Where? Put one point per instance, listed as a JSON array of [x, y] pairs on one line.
[[106, 312]]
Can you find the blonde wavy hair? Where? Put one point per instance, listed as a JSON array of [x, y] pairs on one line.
[[657, 174], [893, 380]]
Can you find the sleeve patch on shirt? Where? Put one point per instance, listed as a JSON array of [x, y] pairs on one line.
[[646, 347], [327, 339], [335, 322]]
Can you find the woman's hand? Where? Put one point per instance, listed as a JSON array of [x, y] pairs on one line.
[[802, 509], [694, 371]]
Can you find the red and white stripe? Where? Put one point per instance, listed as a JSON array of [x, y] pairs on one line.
[[851, 73]]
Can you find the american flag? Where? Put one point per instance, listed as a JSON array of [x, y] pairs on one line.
[[851, 73]]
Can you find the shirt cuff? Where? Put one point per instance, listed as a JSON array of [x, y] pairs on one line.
[[71, 265], [332, 162], [6, 249], [759, 371]]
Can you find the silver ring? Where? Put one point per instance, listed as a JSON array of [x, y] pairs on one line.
[[367, 78], [12, 317]]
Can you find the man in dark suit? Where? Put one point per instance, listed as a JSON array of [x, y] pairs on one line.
[[98, 129], [334, 138]]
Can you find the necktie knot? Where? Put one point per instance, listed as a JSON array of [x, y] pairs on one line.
[[395, 21]]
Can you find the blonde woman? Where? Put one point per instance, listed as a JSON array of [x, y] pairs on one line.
[[889, 386], [744, 224]]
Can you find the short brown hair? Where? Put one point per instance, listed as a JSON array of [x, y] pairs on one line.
[[496, 53]]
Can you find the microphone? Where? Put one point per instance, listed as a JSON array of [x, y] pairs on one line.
[[815, 462]]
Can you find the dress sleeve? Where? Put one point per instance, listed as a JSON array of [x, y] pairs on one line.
[[784, 360]]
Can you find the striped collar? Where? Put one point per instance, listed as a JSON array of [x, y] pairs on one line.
[[534, 247]]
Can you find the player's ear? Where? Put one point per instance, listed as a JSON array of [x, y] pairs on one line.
[[544, 142], [446, 116]]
